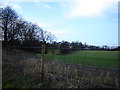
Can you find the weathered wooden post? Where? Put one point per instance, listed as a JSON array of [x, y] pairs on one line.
[[42, 61], [42, 56]]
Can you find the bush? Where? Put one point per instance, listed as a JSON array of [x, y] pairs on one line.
[[65, 47]]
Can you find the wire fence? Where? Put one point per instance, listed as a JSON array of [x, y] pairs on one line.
[[76, 68], [76, 56]]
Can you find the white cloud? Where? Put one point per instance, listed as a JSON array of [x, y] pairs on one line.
[[37, 0], [46, 5], [57, 32], [49, 27], [52, 28], [63, 4], [89, 7], [40, 4], [44, 25], [14, 6]]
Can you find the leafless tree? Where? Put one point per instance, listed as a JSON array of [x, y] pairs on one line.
[[9, 16]]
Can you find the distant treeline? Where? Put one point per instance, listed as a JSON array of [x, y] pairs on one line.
[[21, 34], [65, 47]]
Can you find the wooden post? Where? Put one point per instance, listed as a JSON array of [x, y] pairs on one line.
[[42, 61]]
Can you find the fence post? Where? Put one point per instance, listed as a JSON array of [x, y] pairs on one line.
[[42, 61]]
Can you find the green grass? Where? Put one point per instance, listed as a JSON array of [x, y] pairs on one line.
[[108, 59], [8, 86]]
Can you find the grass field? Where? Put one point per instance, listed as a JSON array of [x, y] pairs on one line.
[[21, 69], [107, 59]]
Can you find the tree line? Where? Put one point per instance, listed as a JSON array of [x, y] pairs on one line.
[[68, 47], [19, 32]]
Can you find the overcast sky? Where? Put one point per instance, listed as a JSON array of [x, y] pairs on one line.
[[94, 22]]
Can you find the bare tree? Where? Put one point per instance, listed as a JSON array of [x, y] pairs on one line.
[[46, 36], [27, 32], [9, 16]]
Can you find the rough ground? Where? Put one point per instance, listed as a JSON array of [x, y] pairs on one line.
[[22, 70]]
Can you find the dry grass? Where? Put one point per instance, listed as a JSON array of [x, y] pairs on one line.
[[22, 70]]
